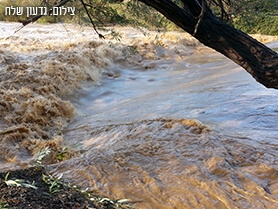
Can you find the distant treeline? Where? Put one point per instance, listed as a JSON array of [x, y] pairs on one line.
[[251, 16]]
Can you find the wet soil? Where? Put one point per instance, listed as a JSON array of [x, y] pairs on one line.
[[45, 195]]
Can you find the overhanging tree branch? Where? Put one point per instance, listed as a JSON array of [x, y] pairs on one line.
[[91, 20], [61, 3], [257, 59], [197, 19]]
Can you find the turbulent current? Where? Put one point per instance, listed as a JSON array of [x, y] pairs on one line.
[[155, 118]]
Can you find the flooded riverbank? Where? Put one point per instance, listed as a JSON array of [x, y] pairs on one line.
[[162, 120]]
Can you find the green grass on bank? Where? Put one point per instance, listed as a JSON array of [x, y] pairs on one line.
[[261, 24], [256, 16], [35, 187], [250, 16]]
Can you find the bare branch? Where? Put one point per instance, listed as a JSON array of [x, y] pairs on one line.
[[201, 16], [91, 20]]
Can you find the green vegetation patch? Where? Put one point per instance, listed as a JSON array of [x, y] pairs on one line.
[[256, 16], [35, 188]]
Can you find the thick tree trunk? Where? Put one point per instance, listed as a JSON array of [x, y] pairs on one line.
[[257, 59]]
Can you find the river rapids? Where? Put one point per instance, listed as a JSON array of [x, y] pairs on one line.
[[155, 117]]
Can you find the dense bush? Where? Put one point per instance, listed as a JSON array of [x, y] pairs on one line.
[[256, 16]]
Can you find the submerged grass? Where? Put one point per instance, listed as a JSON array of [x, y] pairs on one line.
[[34, 188]]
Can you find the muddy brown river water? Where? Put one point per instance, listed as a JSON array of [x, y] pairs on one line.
[[159, 119]]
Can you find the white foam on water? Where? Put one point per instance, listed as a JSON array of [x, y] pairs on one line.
[[163, 121]]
